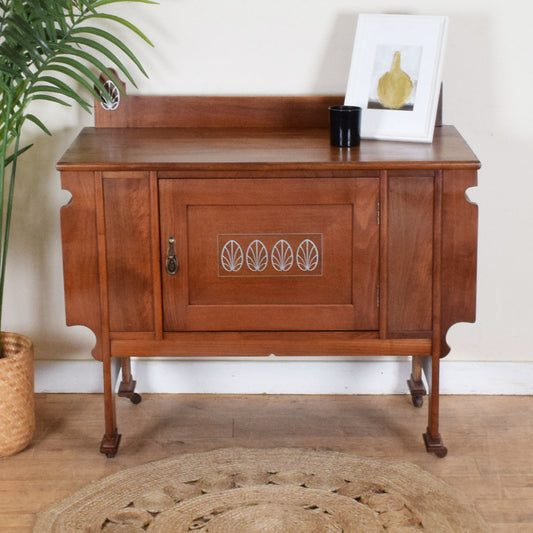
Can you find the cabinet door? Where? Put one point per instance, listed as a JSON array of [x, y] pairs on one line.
[[270, 254]]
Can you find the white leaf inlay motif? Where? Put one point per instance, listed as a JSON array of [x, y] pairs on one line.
[[111, 99], [307, 256], [282, 256], [257, 256], [232, 256]]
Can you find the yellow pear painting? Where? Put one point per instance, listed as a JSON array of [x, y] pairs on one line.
[[395, 86]]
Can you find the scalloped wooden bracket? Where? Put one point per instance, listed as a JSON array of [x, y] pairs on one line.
[[80, 256], [459, 253]]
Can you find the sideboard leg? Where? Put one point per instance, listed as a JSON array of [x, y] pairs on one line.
[[432, 437], [415, 383], [431, 365], [127, 385], [111, 439]]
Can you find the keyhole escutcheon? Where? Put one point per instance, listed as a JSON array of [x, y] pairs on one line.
[[172, 261]]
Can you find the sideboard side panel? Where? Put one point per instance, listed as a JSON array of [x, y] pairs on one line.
[[459, 252], [128, 251], [80, 255], [410, 254]]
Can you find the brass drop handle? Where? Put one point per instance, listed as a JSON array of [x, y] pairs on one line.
[[172, 261]]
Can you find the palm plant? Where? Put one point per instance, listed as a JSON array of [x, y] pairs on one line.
[[48, 49]]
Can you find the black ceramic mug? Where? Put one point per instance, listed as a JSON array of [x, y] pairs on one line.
[[345, 125]]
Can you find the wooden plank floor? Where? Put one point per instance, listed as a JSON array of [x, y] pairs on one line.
[[490, 442]]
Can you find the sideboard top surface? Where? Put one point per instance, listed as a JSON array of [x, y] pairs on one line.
[[160, 149]]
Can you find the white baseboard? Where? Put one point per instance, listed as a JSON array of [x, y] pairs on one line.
[[275, 376]]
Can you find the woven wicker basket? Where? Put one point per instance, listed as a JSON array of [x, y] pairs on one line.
[[17, 415]]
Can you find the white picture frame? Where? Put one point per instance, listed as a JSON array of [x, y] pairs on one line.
[[416, 45]]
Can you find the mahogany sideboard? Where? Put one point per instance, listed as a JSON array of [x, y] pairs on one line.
[[228, 226]]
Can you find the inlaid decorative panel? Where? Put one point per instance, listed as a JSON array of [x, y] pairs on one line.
[[270, 254]]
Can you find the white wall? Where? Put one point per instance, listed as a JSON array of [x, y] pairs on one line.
[[304, 47]]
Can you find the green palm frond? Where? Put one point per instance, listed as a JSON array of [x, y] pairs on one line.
[[48, 49]]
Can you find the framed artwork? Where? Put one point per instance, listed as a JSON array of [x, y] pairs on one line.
[[395, 75]]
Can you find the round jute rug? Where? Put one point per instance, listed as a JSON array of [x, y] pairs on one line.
[[280, 490]]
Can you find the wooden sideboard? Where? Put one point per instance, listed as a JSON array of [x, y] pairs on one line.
[[228, 226]]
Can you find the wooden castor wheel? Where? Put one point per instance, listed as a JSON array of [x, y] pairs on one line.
[[418, 400], [127, 390], [441, 452], [135, 398], [417, 390]]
